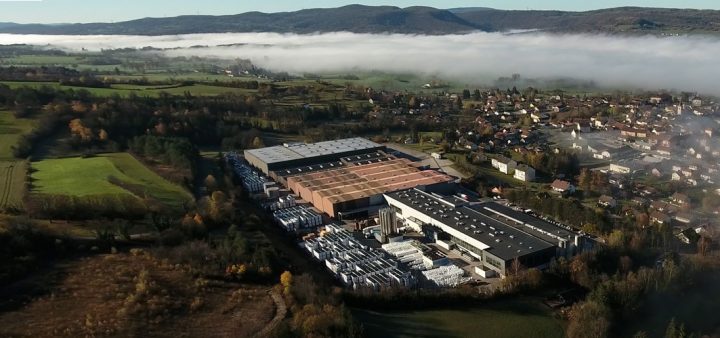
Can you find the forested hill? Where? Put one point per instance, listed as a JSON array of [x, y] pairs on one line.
[[612, 20], [353, 18], [411, 20]]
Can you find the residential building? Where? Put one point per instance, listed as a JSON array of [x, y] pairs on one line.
[[607, 201], [504, 164], [524, 173], [562, 187]]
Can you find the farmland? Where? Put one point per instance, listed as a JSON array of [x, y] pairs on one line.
[[82, 177], [149, 91], [12, 173], [12, 183], [11, 129]]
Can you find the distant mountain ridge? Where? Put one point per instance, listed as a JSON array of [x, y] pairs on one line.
[[611, 20], [353, 18], [411, 20]]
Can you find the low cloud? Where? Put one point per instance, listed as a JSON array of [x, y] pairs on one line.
[[682, 63]]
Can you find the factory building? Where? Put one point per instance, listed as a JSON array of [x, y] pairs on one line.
[[360, 185], [344, 178], [292, 155], [494, 234]]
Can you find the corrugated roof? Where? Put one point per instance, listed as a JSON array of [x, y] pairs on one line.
[[298, 151]]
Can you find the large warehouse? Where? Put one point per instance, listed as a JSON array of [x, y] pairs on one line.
[[492, 233], [300, 154], [343, 178], [356, 186]]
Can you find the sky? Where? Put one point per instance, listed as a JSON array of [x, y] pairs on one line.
[[70, 11]]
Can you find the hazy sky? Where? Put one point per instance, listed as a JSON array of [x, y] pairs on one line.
[[60, 11]]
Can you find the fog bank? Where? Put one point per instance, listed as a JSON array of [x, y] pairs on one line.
[[682, 63]]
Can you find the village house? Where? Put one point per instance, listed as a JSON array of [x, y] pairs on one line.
[[659, 218], [607, 201], [688, 236], [563, 187], [663, 206], [680, 199], [639, 201], [625, 167]]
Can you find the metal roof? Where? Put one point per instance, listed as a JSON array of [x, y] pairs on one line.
[[496, 236], [299, 151]]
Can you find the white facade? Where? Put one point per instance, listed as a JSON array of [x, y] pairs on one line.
[[484, 272], [620, 169], [406, 212], [505, 167], [525, 174]]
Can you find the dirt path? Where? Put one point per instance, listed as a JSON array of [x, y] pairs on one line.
[[280, 313]]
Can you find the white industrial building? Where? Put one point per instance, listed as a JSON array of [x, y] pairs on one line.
[[489, 232]]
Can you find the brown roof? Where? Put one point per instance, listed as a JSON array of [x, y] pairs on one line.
[[659, 216], [360, 181], [561, 185]]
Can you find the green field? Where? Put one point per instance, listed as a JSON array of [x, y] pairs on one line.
[[150, 91], [90, 176], [10, 130], [12, 183], [43, 60], [508, 319], [183, 76], [390, 81]]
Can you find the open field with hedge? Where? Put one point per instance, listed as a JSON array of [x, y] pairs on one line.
[[11, 129], [140, 90], [107, 174]]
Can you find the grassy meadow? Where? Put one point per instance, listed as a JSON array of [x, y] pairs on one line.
[[502, 320], [10, 131], [82, 177], [149, 91], [12, 172]]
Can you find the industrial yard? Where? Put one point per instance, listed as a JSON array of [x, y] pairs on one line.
[[375, 220]]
